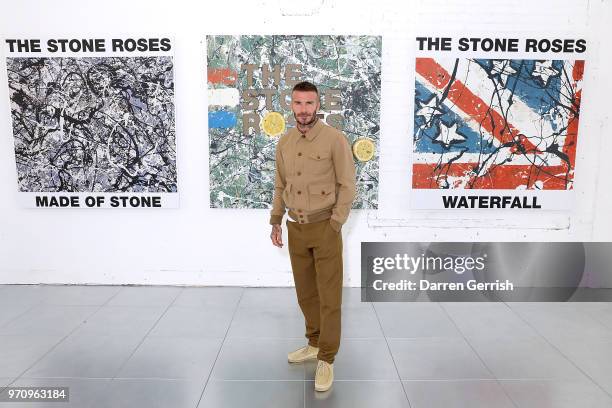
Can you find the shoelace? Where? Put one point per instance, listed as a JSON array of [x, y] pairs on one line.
[[320, 366]]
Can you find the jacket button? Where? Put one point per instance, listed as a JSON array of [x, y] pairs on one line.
[[300, 153], [323, 192], [299, 192], [318, 157], [299, 173]]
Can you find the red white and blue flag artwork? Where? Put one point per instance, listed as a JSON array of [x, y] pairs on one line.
[[496, 124]]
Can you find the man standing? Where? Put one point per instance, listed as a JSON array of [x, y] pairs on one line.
[[315, 181]]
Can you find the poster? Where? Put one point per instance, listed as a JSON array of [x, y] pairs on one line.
[[494, 130], [93, 122], [251, 77]]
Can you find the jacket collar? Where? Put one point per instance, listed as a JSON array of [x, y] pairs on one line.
[[314, 131]]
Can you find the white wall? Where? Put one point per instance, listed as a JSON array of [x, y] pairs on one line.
[[203, 246]]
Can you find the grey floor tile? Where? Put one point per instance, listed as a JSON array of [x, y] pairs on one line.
[[14, 295], [17, 353], [415, 319], [82, 392], [556, 394], [600, 311], [561, 320], [257, 359], [358, 394], [269, 298], [121, 320], [436, 359], [50, 320], [287, 322], [490, 320], [179, 321], [591, 295], [78, 295], [590, 306], [11, 312], [524, 358], [145, 296], [172, 358], [360, 359], [132, 393], [592, 356], [457, 394], [359, 321], [253, 394], [209, 296], [352, 297], [85, 356]]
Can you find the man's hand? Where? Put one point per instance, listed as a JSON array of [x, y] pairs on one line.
[[277, 235]]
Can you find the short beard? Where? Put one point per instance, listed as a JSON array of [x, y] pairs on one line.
[[309, 124]]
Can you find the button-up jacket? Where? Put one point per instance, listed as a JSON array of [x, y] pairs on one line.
[[315, 176]]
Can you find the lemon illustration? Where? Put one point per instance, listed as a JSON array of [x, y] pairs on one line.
[[363, 149], [273, 124]]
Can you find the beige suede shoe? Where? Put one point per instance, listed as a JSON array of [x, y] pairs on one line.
[[324, 376], [302, 354]]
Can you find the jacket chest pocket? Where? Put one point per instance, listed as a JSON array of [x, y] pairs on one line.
[[319, 163]]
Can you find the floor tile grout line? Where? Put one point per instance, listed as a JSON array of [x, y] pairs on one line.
[[587, 314], [196, 379], [391, 354], [146, 334], [20, 315], [229, 326], [467, 341], [110, 382], [559, 351], [517, 315], [304, 388], [287, 338], [105, 303], [597, 319], [42, 302]]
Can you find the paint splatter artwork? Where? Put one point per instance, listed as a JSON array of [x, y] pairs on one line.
[[103, 124], [496, 123], [249, 89]]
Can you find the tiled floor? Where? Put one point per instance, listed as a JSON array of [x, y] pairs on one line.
[[123, 346]]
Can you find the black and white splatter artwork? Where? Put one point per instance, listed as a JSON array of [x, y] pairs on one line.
[[103, 124]]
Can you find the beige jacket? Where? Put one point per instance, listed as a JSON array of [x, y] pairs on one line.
[[315, 176]]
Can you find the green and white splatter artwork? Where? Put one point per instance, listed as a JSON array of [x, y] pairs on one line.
[[250, 76]]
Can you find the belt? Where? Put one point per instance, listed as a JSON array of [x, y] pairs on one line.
[[306, 219]]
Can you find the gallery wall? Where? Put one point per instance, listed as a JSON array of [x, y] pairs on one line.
[[203, 240]]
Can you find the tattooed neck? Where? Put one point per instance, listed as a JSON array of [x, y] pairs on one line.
[[306, 128]]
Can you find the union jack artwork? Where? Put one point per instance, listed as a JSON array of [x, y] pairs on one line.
[[496, 123]]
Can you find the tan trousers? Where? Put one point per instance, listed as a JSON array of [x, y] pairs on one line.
[[315, 250]]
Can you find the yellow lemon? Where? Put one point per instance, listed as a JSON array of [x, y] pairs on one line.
[[363, 149], [273, 124]]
